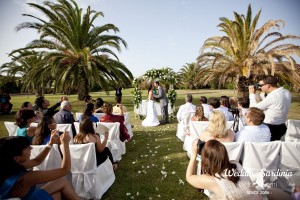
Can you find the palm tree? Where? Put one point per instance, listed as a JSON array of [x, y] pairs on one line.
[[188, 75], [76, 51], [246, 52], [32, 69]]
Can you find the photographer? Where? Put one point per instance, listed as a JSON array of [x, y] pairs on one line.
[[275, 106]]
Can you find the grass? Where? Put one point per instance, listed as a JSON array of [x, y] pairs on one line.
[[154, 164]]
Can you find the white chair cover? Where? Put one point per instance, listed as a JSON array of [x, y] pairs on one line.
[[183, 126], [114, 143], [293, 131], [88, 180], [259, 159], [52, 161], [77, 115], [290, 161], [196, 128], [234, 150], [11, 128], [76, 125], [99, 115], [67, 127]]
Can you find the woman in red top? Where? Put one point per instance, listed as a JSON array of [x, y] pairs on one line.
[[109, 117]]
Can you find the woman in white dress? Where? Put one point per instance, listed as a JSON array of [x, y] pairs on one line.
[[151, 118]]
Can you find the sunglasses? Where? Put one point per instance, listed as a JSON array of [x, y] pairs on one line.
[[260, 85]]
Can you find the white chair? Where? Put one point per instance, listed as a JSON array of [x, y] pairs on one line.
[[261, 158], [234, 150], [196, 128], [115, 145], [66, 127], [11, 128], [52, 161], [127, 123], [290, 161], [183, 126], [293, 131], [99, 115], [77, 115], [76, 125], [88, 180]]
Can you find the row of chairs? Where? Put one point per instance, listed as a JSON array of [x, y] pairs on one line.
[[89, 180]]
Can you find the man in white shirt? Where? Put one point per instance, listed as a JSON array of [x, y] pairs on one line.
[[276, 105], [206, 108], [255, 130], [186, 109], [215, 104]]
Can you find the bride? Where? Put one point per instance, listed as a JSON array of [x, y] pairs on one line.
[[151, 118]]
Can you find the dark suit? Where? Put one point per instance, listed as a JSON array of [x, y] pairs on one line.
[[163, 100]]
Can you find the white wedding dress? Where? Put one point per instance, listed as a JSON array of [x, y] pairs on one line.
[[151, 118]]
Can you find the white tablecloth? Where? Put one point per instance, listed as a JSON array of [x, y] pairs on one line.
[[142, 109]]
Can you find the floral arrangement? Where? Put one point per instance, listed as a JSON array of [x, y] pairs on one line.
[[137, 97], [172, 95]]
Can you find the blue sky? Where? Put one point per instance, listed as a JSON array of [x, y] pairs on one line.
[[159, 33]]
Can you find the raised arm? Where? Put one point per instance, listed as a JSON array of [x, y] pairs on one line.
[[37, 177], [43, 154], [100, 145]]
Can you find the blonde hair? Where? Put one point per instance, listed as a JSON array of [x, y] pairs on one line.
[[217, 124]]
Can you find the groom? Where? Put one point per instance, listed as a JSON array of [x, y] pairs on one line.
[[163, 100]]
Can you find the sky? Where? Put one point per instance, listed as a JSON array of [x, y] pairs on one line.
[[159, 33]]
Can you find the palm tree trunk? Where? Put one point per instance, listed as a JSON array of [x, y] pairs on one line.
[[242, 89], [83, 89]]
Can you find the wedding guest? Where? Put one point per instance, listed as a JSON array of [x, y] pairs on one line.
[[199, 114], [88, 99], [217, 128], [27, 106], [87, 134], [186, 109], [224, 105], [116, 108], [23, 120], [43, 131], [5, 105], [43, 105], [215, 105], [218, 175], [109, 117], [88, 112], [243, 107], [16, 181], [276, 105], [255, 130], [207, 109], [99, 105]]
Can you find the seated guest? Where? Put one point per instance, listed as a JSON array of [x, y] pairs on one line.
[[99, 105], [87, 135], [243, 106], [17, 181], [43, 131], [23, 120], [88, 99], [109, 117], [88, 112], [217, 128], [218, 175], [255, 130], [5, 105], [187, 108], [224, 105], [199, 114], [28, 106], [215, 105], [207, 109], [64, 115], [43, 105], [116, 108]]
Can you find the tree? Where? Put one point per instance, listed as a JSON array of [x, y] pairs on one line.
[[77, 52], [188, 75], [246, 52]]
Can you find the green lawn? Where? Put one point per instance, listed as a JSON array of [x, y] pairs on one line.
[[154, 164]]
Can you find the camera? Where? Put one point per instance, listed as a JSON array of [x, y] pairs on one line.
[[234, 110], [200, 145], [256, 86], [60, 133]]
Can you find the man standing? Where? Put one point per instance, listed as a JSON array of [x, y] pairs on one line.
[[163, 100], [276, 105]]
